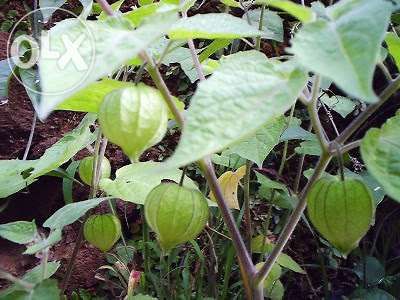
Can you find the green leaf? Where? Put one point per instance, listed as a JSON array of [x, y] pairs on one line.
[[29, 78], [371, 294], [380, 150], [345, 45], [67, 184], [213, 47], [342, 105], [115, 7], [48, 7], [69, 213], [90, 98], [33, 276], [46, 290], [267, 184], [245, 82], [137, 15], [228, 159], [296, 132], [272, 23], [302, 13], [96, 58], [133, 183], [286, 261], [311, 147], [371, 270], [21, 232], [212, 26], [18, 174], [258, 146], [273, 276], [53, 238], [231, 3], [276, 291], [5, 73], [393, 43]]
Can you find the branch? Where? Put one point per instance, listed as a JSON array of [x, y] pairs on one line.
[[384, 96], [312, 108], [293, 220]]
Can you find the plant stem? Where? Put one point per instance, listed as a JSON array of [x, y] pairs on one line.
[[246, 203], [246, 265], [260, 27], [312, 108], [92, 194], [393, 86], [293, 220], [245, 261], [29, 143]]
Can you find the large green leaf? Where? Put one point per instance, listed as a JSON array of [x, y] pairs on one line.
[[345, 45], [133, 183], [212, 26], [69, 213], [258, 146], [246, 91], [380, 150], [21, 232], [101, 47], [17, 174], [90, 98]]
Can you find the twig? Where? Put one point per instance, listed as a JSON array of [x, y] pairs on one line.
[[384, 96], [29, 144]]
